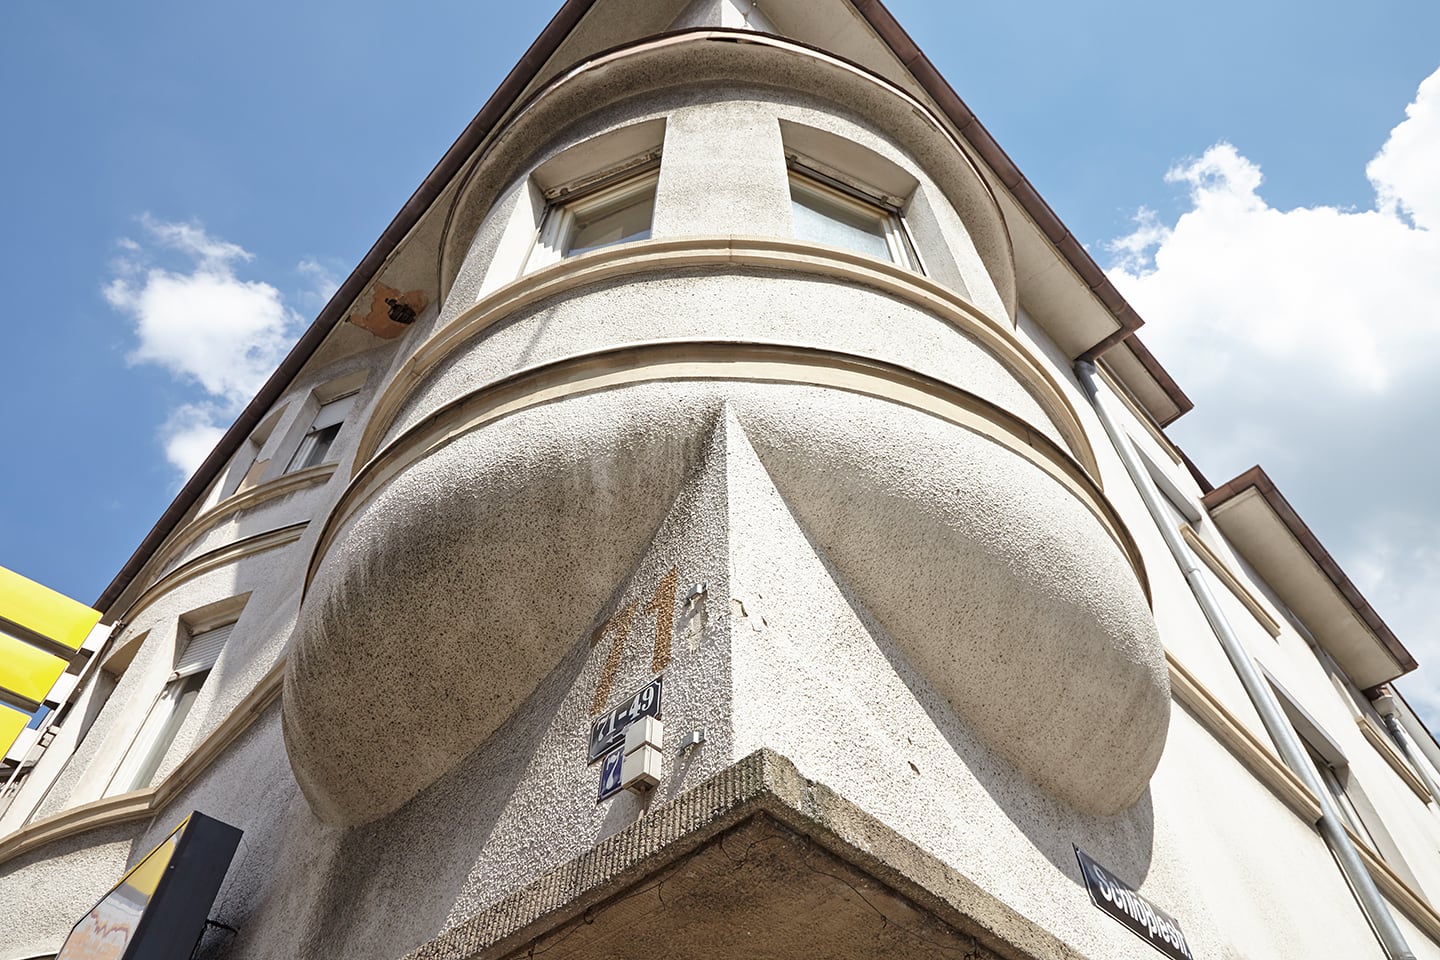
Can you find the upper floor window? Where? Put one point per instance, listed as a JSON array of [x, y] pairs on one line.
[[169, 712], [825, 210], [247, 466], [602, 216], [315, 447], [1335, 780]]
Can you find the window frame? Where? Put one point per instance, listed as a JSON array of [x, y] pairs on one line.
[[247, 467], [565, 205], [303, 450], [171, 708], [157, 734], [887, 211], [1337, 779], [1332, 766]]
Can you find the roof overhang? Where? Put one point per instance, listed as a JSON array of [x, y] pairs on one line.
[[1269, 534], [1149, 383]]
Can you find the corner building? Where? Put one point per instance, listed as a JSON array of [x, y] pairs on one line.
[[726, 347]]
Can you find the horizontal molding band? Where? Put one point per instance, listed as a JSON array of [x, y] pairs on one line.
[[283, 485], [1232, 582], [772, 254], [1388, 752], [1000, 263], [219, 557], [1396, 890], [1240, 741], [720, 360]]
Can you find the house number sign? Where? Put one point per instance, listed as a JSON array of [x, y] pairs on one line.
[[608, 732]]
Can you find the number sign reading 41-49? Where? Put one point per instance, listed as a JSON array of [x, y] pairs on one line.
[[608, 732]]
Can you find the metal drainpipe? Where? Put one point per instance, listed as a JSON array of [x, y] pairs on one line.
[[1277, 724], [1385, 706]]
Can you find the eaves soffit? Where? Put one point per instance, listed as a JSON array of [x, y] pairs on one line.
[[1148, 382], [1262, 526]]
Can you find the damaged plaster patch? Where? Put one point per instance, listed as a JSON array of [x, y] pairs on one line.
[[387, 303]]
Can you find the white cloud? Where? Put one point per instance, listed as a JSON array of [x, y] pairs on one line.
[[1308, 338], [191, 433], [191, 239], [201, 322], [323, 281], [1397, 567], [1404, 172], [1346, 293]]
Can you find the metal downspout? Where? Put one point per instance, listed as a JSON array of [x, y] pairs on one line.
[[1277, 724], [1385, 706]]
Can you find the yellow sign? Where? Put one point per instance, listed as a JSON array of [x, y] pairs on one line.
[[50, 614], [26, 670], [29, 671], [12, 721]]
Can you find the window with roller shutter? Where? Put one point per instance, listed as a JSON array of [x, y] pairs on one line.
[[168, 714]]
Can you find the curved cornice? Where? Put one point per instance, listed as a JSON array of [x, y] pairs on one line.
[[283, 485], [672, 360], [219, 557], [795, 257], [684, 51]]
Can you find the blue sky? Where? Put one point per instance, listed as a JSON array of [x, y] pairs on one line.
[[265, 147]]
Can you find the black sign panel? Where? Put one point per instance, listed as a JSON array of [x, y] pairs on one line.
[[608, 731], [157, 911], [1147, 921]]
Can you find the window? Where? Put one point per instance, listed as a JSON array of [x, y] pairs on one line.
[[825, 210], [170, 710], [1333, 768], [315, 447], [1335, 779], [246, 468], [604, 215]]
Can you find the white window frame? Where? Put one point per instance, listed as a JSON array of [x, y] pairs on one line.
[[157, 735], [1335, 773], [166, 716], [334, 418], [886, 211], [567, 204], [247, 466]]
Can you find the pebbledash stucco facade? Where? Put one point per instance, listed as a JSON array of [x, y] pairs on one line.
[[850, 442]]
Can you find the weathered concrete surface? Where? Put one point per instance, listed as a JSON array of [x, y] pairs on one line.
[[497, 551], [757, 860]]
